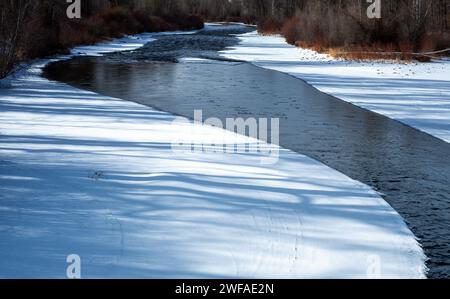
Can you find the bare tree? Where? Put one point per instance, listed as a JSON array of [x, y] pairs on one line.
[[12, 18]]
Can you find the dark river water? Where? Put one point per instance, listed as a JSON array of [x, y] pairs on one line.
[[411, 168]]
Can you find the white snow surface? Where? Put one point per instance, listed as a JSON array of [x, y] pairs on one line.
[[86, 174], [417, 94]]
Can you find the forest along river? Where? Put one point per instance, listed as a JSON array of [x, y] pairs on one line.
[[411, 168]]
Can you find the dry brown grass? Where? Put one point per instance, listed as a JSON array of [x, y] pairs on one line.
[[375, 52]]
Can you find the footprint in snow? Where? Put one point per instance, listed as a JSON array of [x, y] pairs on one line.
[[97, 175]]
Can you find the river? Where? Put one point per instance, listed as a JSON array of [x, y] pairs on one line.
[[409, 168]]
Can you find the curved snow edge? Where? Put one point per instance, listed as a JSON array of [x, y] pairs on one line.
[[414, 256]]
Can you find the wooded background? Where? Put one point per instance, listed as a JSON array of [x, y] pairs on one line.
[[30, 28]]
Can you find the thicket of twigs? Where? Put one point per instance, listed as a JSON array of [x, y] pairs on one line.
[[407, 29]]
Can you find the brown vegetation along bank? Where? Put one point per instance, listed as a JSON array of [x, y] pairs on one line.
[[407, 29], [30, 29]]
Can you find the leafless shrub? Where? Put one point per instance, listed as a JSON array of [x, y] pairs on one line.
[[342, 29], [12, 18]]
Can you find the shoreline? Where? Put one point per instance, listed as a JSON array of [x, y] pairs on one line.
[[411, 93], [123, 146]]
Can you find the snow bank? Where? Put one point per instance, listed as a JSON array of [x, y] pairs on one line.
[[82, 173], [127, 43], [417, 94]]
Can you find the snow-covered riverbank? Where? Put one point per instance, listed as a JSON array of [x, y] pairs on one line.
[[82, 173], [417, 94]]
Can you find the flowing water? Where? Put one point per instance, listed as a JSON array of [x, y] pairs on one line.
[[410, 168]]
